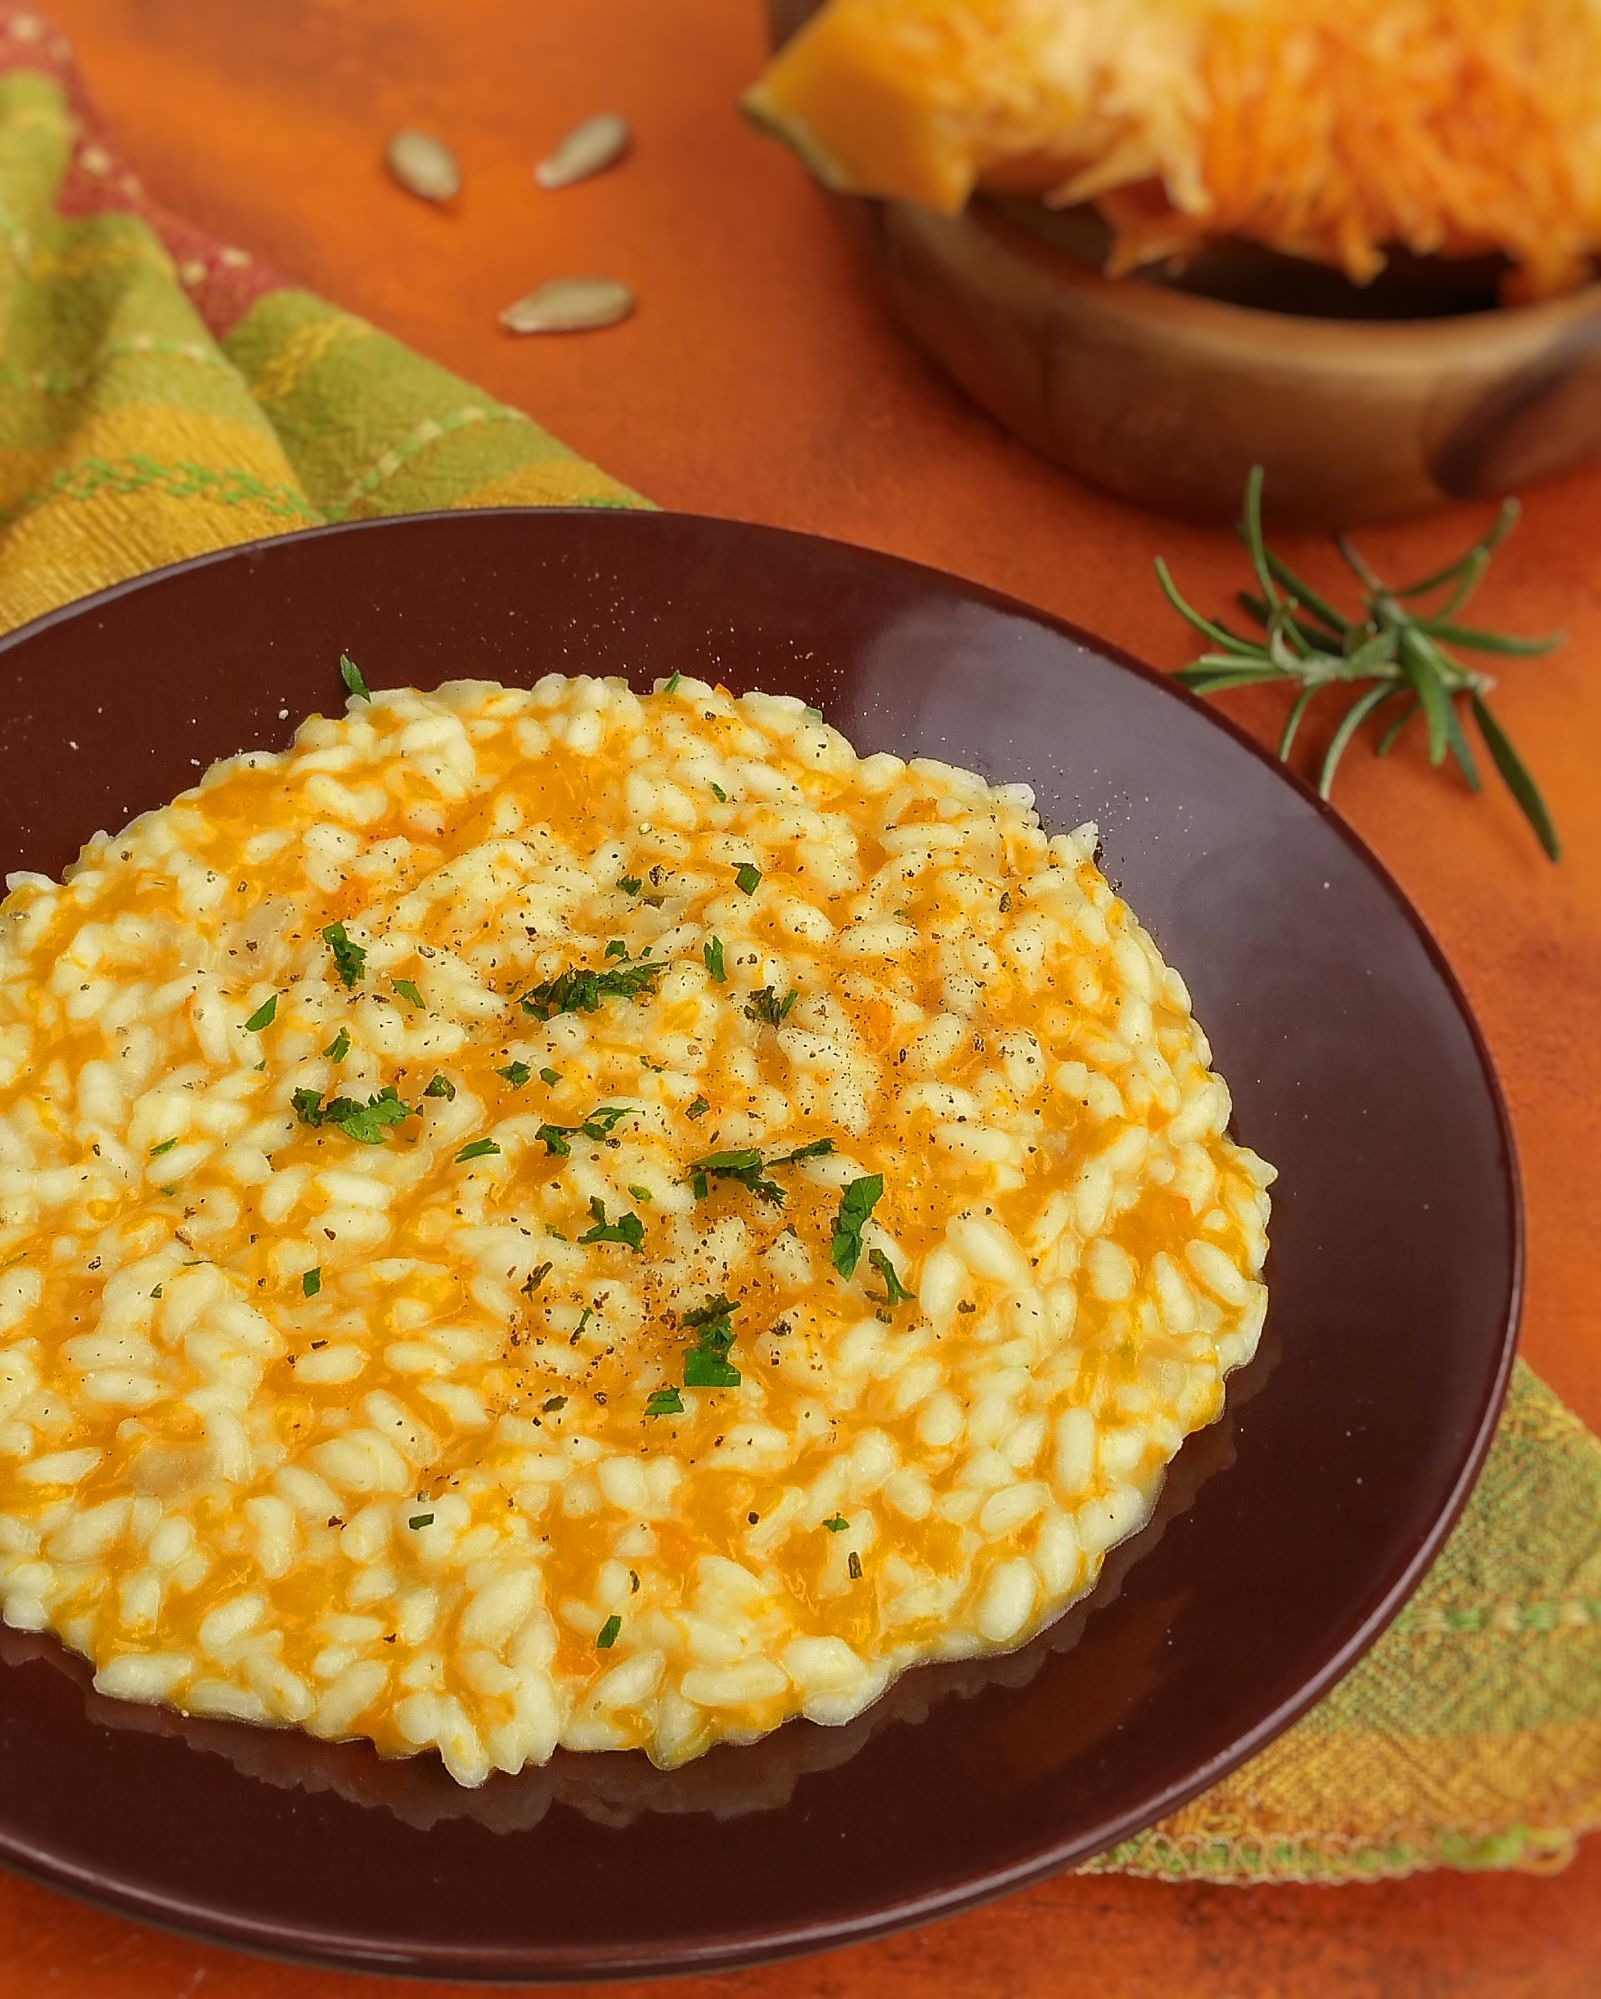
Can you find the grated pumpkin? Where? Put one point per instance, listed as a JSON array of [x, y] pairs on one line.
[[1326, 129]]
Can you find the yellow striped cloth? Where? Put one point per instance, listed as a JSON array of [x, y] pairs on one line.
[[161, 395]]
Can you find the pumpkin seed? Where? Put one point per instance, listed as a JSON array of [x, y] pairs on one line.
[[570, 305], [424, 166], [588, 149]]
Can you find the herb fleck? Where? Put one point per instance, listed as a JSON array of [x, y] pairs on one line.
[[707, 1365], [407, 989], [421, 1520], [263, 1016], [698, 1108], [351, 675], [628, 1229], [608, 1633], [311, 1283], [166, 1145], [440, 1086], [350, 960], [765, 1005], [600, 1123], [481, 1148], [837, 1525], [339, 1047], [855, 1205], [366, 1123], [747, 878], [630, 884], [550, 1076], [747, 1166], [712, 952], [515, 1073], [665, 1402], [581, 990], [895, 1292]]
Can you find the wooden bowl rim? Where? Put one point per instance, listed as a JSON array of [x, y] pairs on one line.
[[1497, 338]]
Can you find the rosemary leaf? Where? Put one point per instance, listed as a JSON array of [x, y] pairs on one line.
[[1294, 719], [1419, 667], [1466, 761], [1505, 522], [1505, 643], [1392, 734], [1358, 712], [1247, 648], [1308, 599], [1211, 680], [1518, 781]]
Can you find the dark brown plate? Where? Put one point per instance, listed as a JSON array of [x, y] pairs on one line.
[[1395, 1274]]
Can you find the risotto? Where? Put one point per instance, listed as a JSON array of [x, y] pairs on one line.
[[561, 1216]]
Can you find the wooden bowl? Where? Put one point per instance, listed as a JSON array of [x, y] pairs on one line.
[[1361, 404]]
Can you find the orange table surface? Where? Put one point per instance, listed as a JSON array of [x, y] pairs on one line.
[[759, 379]]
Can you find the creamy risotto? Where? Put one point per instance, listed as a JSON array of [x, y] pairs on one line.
[[560, 1216]]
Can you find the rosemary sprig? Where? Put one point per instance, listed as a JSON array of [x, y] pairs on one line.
[[1403, 650]]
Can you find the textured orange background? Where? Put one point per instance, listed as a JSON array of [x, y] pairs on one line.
[[758, 379]]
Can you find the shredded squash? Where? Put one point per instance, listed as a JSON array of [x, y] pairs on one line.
[[1328, 129]]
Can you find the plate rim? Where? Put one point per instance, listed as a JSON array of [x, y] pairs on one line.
[[731, 1949]]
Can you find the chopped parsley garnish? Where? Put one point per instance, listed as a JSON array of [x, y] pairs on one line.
[[627, 1229], [665, 1402], [407, 989], [855, 1205], [747, 878], [608, 1633], [263, 1016], [551, 1404], [166, 1145], [421, 1520], [698, 1108], [599, 1124], [712, 952], [339, 1047], [630, 884], [351, 675], [815, 713], [672, 685], [311, 1283], [853, 1566], [440, 1086], [350, 960], [366, 1123], [837, 1525], [481, 1148], [707, 1365], [515, 1073], [581, 990], [550, 1076], [765, 1005], [895, 1292], [747, 1166], [719, 794], [640, 1193]]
